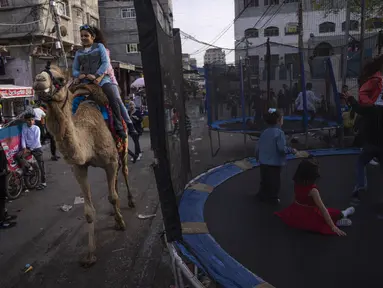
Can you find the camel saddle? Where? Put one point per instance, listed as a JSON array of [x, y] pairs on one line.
[[93, 94]]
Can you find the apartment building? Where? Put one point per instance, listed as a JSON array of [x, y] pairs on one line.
[[30, 41], [323, 35], [215, 56], [118, 22]]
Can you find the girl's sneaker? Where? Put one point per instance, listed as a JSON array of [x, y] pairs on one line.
[[343, 222], [374, 162], [348, 212]]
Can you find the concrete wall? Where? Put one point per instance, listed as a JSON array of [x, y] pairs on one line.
[[119, 32], [19, 69]]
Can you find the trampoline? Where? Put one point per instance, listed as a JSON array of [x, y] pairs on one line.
[[241, 243], [291, 125]]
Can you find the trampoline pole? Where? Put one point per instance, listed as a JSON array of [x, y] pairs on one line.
[[304, 96]]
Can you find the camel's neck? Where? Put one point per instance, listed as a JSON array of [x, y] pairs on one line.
[[61, 126]]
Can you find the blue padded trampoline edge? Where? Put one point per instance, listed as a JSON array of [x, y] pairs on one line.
[[228, 271], [216, 125]]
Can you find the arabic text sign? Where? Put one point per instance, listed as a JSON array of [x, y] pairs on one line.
[[16, 92]]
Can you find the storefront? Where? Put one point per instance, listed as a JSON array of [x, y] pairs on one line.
[[13, 100]]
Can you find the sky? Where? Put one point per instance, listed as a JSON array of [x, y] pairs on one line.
[[204, 20]]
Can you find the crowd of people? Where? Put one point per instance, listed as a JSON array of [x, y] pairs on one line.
[[308, 212]]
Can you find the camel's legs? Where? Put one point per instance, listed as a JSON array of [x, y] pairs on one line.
[[81, 174], [125, 172], [111, 173]]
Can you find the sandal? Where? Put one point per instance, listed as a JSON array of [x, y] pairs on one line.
[[42, 186], [7, 224]]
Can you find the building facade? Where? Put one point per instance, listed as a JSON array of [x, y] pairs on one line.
[[30, 42], [215, 56], [323, 36], [118, 23]]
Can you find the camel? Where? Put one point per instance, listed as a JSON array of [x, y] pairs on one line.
[[84, 140]]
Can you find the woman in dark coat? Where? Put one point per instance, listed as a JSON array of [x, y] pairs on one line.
[[136, 117]]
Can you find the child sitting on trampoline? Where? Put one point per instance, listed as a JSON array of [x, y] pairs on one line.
[[308, 211], [271, 154]]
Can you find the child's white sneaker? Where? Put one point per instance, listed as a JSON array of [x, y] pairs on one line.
[[343, 222], [348, 212], [374, 162]]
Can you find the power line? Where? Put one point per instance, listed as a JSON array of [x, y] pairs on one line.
[[220, 35], [22, 24]]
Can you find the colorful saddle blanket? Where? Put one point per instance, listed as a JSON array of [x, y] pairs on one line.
[[79, 99]]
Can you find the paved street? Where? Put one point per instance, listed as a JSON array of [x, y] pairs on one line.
[[52, 240]]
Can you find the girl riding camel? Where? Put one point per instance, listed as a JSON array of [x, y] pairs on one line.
[[90, 66]]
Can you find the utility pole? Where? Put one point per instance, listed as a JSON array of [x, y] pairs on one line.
[[345, 49], [302, 68], [362, 32], [268, 59], [59, 42]]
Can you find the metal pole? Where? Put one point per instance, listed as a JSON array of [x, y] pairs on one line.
[[302, 68], [268, 58], [242, 95], [362, 33], [59, 44], [248, 69], [345, 49]]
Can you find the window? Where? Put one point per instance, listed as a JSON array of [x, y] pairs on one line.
[[4, 3], [129, 13], [354, 25], [271, 2], [323, 49], [93, 21], [271, 32], [254, 64], [251, 3], [292, 65], [291, 29], [62, 8], [327, 27], [374, 23], [251, 33], [133, 48]]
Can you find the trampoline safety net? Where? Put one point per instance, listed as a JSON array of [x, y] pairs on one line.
[[162, 64], [238, 96]]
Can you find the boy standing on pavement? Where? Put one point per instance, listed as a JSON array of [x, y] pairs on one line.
[[30, 143]]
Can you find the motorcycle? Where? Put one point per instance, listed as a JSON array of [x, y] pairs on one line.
[[17, 179]]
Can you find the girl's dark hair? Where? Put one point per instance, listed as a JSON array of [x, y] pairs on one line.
[[307, 172], [370, 68], [272, 116], [99, 37]]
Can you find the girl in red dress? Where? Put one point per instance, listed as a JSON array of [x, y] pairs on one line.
[[308, 211]]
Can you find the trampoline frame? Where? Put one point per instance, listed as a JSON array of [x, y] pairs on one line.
[[220, 265], [334, 125]]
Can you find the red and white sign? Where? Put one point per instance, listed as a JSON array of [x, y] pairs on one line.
[[12, 91]]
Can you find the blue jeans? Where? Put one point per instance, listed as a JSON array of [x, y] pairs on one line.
[[124, 112], [368, 153]]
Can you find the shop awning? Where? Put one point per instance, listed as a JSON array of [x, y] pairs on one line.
[[8, 91]]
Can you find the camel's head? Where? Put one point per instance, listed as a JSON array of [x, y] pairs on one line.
[[49, 84]]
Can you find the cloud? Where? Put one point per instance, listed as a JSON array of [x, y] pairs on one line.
[[205, 20]]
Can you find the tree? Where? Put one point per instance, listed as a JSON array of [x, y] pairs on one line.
[[374, 8]]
